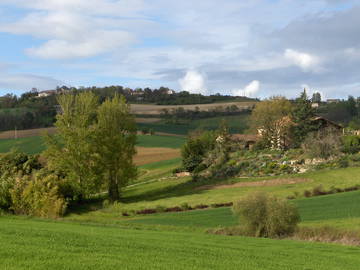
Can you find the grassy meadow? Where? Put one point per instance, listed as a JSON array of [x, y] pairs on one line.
[[96, 235], [37, 244]]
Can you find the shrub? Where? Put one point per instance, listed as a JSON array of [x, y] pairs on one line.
[[196, 147], [351, 144], [7, 182], [13, 164], [266, 216], [185, 206], [37, 196], [160, 209], [343, 162], [307, 193]]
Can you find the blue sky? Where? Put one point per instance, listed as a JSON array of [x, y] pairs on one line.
[[253, 47]]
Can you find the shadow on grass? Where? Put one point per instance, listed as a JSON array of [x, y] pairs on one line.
[[181, 189], [86, 205]]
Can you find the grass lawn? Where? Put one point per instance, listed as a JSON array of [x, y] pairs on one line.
[[32, 244]]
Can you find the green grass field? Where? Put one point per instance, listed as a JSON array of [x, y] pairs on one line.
[[32, 244], [237, 124], [34, 145], [337, 210]]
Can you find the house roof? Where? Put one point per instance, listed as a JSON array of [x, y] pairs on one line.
[[245, 137], [320, 118]]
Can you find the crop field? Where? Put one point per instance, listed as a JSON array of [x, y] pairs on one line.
[[338, 210], [236, 124], [34, 145], [146, 155], [11, 134], [36, 244], [156, 109]]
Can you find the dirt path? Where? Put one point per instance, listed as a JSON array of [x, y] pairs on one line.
[[264, 183]]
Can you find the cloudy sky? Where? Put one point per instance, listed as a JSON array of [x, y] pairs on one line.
[[253, 47]]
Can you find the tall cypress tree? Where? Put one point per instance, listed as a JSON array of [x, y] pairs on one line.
[[302, 115]]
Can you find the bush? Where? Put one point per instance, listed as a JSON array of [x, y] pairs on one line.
[[351, 144], [37, 196], [12, 165], [196, 147], [266, 216]]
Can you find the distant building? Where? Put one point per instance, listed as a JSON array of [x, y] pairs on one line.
[[333, 100], [170, 92], [326, 123], [247, 140], [315, 105], [46, 93]]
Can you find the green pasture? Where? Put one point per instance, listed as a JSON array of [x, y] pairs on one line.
[[237, 124], [36, 244], [35, 144], [157, 188], [338, 210], [177, 191]]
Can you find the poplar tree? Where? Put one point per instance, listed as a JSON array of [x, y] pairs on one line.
[[70, 152], [115, 144]]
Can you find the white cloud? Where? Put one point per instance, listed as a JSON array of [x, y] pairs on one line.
[[250, 90], [28, 81], [193, 82], [100, 42], [305, 61], [71, 32]]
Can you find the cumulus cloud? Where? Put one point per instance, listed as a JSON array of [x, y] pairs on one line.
[[193, 82], [305, 61], [151, 43], [70, 32], [249, 90]]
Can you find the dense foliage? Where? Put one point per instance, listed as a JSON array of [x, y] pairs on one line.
[[94, 144], [196, 147], [262, 215]]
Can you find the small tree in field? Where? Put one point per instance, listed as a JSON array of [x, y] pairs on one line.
[[262, 215], [115, 144]]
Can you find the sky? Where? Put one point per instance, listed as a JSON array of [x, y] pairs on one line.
[[257, 48]]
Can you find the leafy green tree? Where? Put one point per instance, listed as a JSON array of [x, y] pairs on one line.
[[302, 115], [196, 147], [351, 106], [72, 151], [316, 97], [115, 144]]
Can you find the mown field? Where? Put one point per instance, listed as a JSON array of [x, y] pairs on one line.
[[150, 109], [36, 244]]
